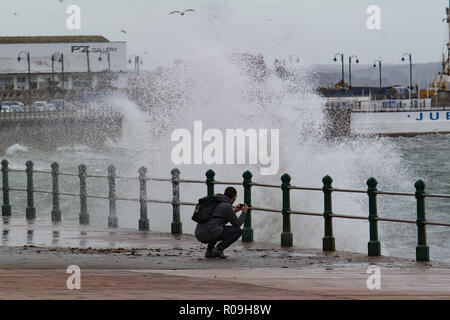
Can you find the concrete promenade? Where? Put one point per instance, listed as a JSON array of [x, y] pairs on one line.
[[125, 264]]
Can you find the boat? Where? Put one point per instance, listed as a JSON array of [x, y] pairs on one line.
[[398, 117], [424, 111]]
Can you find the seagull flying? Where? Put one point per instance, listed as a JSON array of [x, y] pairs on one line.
[[123, 31], [181, 12], [15, 13]]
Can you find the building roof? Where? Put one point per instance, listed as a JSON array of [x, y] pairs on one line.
[[53, 39]]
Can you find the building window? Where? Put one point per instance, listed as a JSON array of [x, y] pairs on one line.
[[6, 82], [34, 82]]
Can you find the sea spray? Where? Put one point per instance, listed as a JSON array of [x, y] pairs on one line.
[[209, 84], [218, 95]]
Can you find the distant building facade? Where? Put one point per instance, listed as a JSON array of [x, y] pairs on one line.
[[68, 62]]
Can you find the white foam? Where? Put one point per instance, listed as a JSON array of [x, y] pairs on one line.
[[15, 149]]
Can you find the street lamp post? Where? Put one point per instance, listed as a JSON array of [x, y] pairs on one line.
[[53, 69], [379, 65], [137, 62], [62, 71], [410, 72], [342, 61], [19, 58], [107, 76], [88, 63], [350, 68], [89, 68], [60, 60], [109, 60]]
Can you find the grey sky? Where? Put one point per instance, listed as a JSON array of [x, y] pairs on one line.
[[313, 29]]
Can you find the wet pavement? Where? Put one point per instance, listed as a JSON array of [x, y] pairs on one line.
[[151, 265], [68, 241]]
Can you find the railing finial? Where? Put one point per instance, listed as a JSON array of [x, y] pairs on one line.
[[420, 186], [247, 175], [372, 182], [327, 181], [210, 174]]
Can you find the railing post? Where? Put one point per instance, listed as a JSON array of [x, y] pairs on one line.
[[286, 236], [176, 227], [210, 182], [56, 212], [328, 239], [6, 207], [113, 221], [144, 224], [30, 210], [247, 232], [422, 250], [84, 216], [374, 247]]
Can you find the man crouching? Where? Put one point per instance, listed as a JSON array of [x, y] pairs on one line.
[[215, 229]]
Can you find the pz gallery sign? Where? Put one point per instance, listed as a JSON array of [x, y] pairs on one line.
[[85, 49]]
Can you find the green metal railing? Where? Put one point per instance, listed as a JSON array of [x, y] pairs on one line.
[[374, 247]]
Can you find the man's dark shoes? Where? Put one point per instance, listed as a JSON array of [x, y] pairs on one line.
[[218, 253], [210, 254]]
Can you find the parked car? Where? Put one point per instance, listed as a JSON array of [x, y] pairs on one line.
[[17, 108], [6, 109], [50, 107], [12, 108], [60, 104], [38, 106], [11, 103]]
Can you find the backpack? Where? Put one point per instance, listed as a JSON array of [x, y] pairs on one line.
[[205, 208]]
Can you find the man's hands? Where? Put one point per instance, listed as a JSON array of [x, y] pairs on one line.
[[240, 207]]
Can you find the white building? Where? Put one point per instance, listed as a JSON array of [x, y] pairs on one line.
[[72, 62]]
